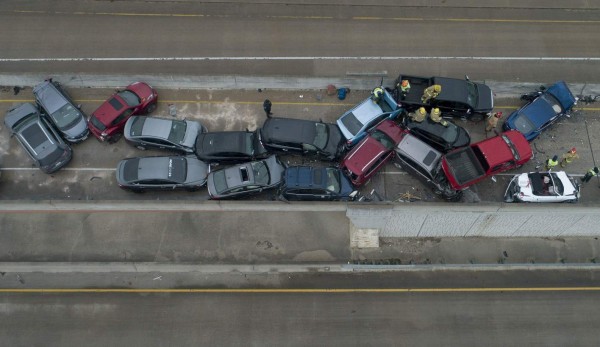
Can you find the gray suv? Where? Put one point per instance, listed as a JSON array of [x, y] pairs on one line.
[[424, 162], [153, 132], [38, 138], [56, 104]]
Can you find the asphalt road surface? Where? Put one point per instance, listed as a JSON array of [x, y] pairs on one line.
[[459, 309], [532, 41]]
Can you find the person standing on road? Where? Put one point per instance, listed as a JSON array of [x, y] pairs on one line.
[[588, 175], [418, 115], [267, 107], [431, 92], [492, 122], [551, 162], [376, 94], [568, 157]]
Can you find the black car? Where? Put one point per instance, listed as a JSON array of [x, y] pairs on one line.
[[299, 136], [38, 138], [162, 173], [443, 138], [229, 146], [56, 104], [316, 184], [458, 98]]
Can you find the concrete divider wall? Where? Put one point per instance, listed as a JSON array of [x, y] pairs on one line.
[[481, 220]]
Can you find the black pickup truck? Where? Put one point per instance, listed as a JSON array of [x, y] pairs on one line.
[[458, 98]]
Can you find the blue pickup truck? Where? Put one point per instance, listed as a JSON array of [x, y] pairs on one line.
[[544, 108]]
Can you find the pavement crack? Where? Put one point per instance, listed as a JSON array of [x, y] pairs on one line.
[[162, 239]]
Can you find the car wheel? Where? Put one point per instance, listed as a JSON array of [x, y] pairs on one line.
[[476, 117], [150, 108], [115, 138]]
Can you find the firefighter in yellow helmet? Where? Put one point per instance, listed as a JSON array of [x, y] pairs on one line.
[[418, 115], [376, 94], [436, 116], [431, 92]]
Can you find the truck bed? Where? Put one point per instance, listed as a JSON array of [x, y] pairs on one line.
[[464, 165], [417, 86]]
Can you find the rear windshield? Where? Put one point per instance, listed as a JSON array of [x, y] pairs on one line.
[[177, 133], [52, 157], [352, 123], [523, 124], [321, 136], [130, 98]]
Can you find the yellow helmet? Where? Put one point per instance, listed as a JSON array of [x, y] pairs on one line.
[[435, 111], [422, 111], [437, 88]]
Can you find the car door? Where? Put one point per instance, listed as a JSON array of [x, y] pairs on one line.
[[157, 143]]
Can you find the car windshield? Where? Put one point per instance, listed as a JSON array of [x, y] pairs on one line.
[[472, 94], [137, 125], [130, 98], [523, 124], [97, 123], [66, 116], [177, 170], [352, 124], [220, 181], [261, 172], [382, 138], [512, 147], [177, 133], [333, 180], [552, 102], [321, 136], [558, 185]]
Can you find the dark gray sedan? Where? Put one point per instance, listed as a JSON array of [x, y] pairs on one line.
[[153, 132], [245, 179], [166, 173], [43, 144], [59, 108]]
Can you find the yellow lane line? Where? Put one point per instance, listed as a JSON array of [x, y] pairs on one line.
[[358, 18], [308, 291]]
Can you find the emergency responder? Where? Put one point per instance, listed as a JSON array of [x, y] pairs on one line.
[[551, 162], [404, 88], [436, 116], [431, 92], [493, 121], [376, 94], [588, 175], [568, 157], [419, 115]]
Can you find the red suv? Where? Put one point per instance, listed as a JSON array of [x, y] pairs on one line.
[[370, 154], [108, 121]]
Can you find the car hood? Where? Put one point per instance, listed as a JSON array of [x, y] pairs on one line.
[[366, 151], [485, 101], [78, 130], [563, 94]]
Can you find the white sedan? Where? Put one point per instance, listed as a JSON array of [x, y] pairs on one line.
[[542, 187]]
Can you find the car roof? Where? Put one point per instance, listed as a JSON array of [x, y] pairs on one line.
[[170, 168], [289, 130], [305, 177], [224, 141], [239, 175], [49, 96], [157, 127], [419, 151], [365, 111], [452, 89]]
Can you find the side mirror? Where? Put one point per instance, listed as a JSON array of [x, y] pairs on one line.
[[467, 77]]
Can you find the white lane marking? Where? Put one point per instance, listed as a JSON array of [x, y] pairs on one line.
[[65, 169], [84, 59]]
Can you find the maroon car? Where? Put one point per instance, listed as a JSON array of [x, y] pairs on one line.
[[108, 121], [370, 154]]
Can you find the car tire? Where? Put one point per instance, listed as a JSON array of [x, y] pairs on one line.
[[151, 108], [115, 138]]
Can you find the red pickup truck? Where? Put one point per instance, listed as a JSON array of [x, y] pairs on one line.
[[468, 165]]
